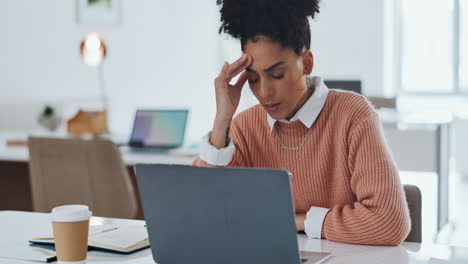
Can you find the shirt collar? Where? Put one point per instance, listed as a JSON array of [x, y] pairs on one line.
[[309, 112]]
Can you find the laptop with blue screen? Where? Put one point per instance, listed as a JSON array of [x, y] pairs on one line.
[[158, 130]]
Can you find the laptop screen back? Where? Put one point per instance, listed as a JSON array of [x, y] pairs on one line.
[[203, 215], [159, 128]]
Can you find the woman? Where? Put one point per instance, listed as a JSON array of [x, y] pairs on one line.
[[345, 183]]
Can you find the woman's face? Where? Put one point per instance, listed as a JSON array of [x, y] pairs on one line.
[[277, 77]]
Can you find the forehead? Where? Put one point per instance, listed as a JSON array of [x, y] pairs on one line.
[[265, 52]]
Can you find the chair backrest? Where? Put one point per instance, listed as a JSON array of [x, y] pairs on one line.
[[76, 171], [413, 197]]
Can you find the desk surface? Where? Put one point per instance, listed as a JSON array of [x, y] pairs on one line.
[[422, 119], [20, 153], [17, 227]]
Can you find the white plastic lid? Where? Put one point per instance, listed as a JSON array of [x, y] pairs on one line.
[[71, 213]]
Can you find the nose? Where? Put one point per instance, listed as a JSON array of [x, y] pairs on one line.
[[266, 91]]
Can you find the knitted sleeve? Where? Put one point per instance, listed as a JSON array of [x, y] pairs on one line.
[[380, 215], [240, 158]]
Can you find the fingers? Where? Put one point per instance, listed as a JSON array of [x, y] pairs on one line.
[[222, 77], [238, 63], [241, 81], [229, 71], [224, 69], [234, 72]]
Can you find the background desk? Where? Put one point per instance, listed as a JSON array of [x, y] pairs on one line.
[[18, 227], [15, 191]]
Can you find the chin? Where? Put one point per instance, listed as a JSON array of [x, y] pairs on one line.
[[277, 116]]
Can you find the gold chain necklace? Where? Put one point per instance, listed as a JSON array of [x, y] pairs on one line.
[[286, 148], [295, 148]]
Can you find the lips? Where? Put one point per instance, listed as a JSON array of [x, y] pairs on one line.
[[272, 107]]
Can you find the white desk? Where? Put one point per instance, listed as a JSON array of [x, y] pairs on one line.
[[16, 228], [20, 154]]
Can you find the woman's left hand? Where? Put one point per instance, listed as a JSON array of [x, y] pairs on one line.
[[300, 218]]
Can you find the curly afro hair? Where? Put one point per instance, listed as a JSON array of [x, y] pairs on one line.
[[282, 21]]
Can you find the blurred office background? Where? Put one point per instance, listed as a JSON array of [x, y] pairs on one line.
[[410, 58]]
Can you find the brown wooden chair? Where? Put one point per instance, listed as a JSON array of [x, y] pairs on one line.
[[413, 197], [76, 171]]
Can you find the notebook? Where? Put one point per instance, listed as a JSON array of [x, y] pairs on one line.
[[115, 239], [20, 251]]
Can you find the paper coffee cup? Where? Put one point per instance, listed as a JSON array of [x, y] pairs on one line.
[[71, 226]]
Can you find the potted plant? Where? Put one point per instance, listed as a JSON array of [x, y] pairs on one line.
[[49, 118]]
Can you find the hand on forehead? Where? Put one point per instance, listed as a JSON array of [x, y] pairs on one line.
[[266, 54]]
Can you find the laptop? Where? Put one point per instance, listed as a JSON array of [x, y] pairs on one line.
[[158, 130], [203, 215]]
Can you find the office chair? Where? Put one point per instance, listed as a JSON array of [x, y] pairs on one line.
[[413, 197], [75, 171]]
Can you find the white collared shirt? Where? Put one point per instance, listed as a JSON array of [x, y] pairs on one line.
[[307, 114]]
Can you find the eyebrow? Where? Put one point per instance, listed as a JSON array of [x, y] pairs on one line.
[[267, 69]]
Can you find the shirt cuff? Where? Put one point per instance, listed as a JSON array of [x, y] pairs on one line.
[[214, 156], [314, 221]]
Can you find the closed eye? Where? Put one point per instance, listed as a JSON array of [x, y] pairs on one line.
[[280, 76]]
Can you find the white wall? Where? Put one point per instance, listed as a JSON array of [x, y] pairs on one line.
[[347, 41], [163, 54]]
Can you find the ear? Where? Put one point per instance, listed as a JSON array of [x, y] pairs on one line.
[[308, 62]]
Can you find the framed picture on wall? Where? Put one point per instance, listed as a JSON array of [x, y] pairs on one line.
[[98, 12]]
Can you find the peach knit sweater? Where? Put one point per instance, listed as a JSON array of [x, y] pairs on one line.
[[344, 165]]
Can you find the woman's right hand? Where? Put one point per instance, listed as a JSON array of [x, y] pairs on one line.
[[227, 98], [228, 95]]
